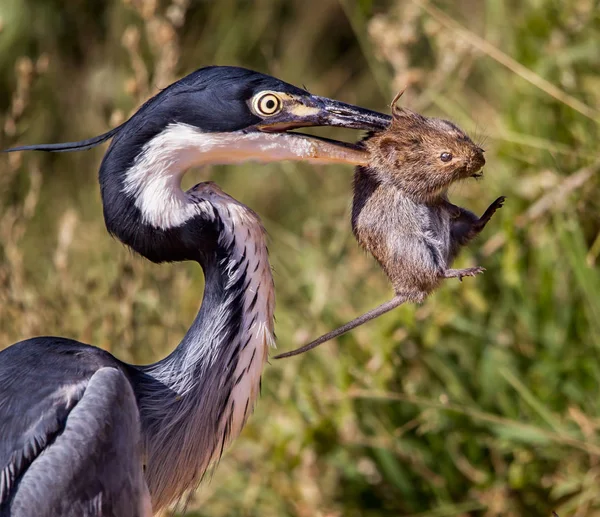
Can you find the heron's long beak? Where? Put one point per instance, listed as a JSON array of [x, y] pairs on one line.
[[310, 111]]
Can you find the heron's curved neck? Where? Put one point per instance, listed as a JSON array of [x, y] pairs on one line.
[[198, 398], [140, 178]]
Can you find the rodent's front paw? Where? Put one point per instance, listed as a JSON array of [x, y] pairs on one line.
[[499, 203], [491, 210]]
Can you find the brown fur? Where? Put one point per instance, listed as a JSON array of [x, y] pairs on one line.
[[401, 213]]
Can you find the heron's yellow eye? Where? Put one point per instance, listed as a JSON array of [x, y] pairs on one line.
[[266, 104]]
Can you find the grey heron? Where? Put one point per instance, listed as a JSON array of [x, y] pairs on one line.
[[85, 434]]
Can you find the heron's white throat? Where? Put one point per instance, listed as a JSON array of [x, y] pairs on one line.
[[154, 180]]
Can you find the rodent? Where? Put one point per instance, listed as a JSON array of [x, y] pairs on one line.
[[401, 213]]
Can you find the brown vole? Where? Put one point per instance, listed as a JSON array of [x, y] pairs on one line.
[[401, 213]]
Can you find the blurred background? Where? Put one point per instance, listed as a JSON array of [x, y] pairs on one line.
[[485, 400]]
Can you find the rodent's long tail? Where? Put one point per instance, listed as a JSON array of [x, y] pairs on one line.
[[82, 145], [356, 322]]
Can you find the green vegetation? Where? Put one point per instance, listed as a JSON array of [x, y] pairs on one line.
[[485, 400]]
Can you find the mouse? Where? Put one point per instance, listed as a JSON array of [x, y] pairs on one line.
[[401, 213]]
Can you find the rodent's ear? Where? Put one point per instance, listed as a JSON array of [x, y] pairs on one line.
[[389, 149]]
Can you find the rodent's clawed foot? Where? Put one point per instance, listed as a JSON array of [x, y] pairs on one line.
[[460, 273], [487, 215], [498, 203]]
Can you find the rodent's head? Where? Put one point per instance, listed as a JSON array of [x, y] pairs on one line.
[[422, 156]]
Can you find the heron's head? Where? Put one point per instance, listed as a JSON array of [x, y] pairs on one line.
[[216, 115], [229, 114], [256, 114]]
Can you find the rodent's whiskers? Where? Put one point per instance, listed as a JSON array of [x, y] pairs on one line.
[[480, 136], [481, 142]]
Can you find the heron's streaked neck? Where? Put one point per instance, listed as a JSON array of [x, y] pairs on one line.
[[154, 179], [207, 387]]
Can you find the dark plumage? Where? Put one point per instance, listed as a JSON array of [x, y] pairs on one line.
[[213, 99], [77, 425], [181, 411], [96, 413]]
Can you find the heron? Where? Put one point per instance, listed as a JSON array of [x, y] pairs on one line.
[[83, 433]]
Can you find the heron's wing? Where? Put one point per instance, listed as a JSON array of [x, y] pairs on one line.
[[94, 466], [41, 380], [76, 449]]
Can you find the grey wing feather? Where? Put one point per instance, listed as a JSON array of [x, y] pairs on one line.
[[36, 437], [93, 467]]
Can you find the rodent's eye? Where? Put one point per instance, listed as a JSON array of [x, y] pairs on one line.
[[446, 157], [266, 104]]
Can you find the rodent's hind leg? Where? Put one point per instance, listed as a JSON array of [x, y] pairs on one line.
[[460, 273]]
